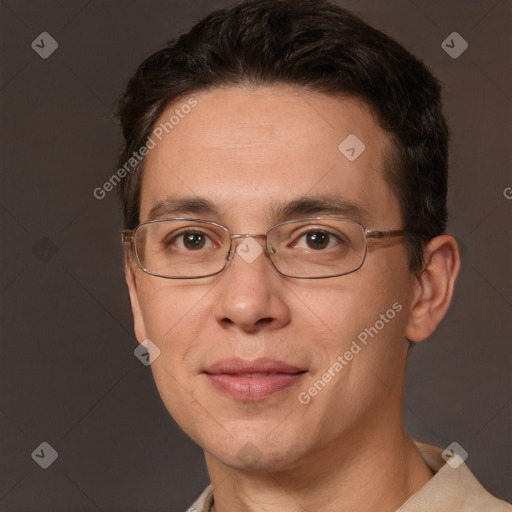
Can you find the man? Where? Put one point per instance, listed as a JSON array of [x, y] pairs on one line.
[[285, 207]]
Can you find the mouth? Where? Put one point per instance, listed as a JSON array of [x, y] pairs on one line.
[[252, 380]]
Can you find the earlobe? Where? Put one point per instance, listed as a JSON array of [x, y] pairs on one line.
[[138, 319], [435, 286]]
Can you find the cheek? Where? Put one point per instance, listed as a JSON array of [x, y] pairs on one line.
[[174, 316], [160, 308], [173, 313], [365, 314], [344, 308]]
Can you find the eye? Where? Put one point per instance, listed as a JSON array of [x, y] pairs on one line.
[[189, 240], [193, 241], [317, 240]]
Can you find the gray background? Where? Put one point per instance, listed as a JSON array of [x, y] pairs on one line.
[[69, 376]]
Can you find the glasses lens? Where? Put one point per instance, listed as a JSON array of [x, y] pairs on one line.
[[181, 248], [317, 248]]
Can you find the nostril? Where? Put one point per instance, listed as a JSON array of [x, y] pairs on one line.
[[264, 321]]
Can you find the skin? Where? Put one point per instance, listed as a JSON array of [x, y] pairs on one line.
[[243, 149]]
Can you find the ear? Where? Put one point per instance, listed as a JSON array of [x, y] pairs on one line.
[[434, 287], [130, 276]]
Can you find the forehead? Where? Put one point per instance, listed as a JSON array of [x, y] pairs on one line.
[[250, 152]]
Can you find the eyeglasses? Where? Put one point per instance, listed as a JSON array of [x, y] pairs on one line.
[[312, 248]]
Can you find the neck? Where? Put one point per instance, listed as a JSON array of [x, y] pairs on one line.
[[364, 473]]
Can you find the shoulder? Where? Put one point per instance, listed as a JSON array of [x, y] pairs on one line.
[[453, 488]]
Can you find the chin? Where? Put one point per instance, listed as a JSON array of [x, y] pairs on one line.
[[253, 453]]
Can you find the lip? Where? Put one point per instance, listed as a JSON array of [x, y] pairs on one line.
[[252, 380]]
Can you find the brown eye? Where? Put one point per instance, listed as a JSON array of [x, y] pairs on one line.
[[187, 241], [317, 240], [194, 241]]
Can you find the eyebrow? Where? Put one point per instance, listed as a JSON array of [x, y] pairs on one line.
[[328, 204]]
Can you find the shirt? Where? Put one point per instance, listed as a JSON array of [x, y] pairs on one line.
[[453, 488]]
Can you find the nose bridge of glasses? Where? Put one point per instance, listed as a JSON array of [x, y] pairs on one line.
[[238, 238]]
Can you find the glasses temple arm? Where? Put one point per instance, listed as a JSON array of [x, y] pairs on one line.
[[127, 236], [384, 234]]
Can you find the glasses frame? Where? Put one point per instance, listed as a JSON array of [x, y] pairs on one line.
[[128, 237]]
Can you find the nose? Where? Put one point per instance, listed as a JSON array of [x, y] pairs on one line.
[[252, 295]]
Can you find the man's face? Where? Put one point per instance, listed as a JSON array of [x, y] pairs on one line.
[[246, 151]]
